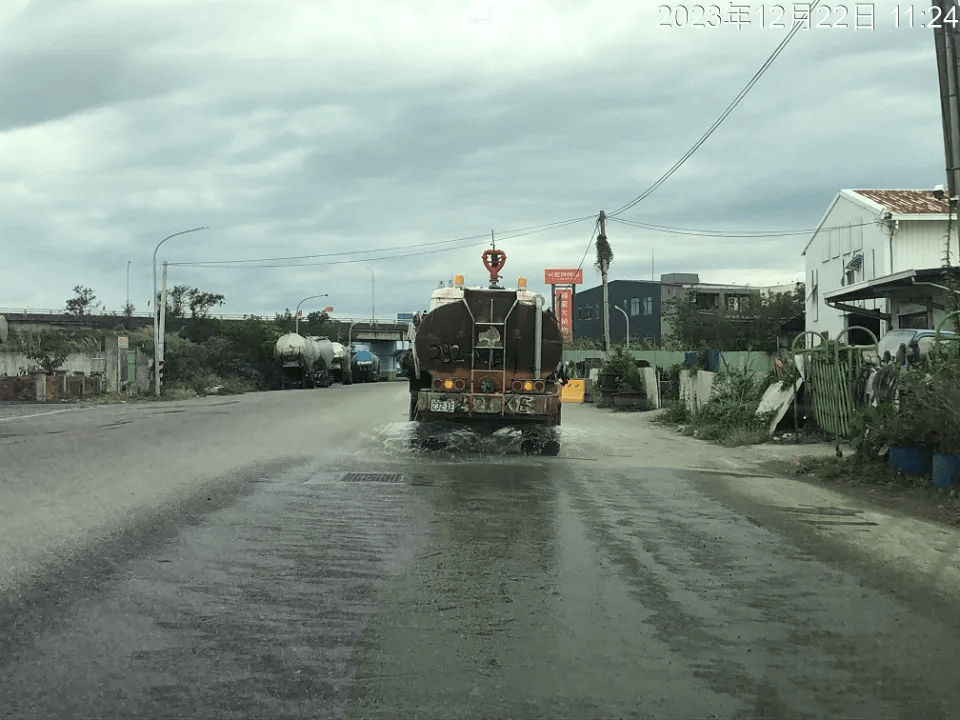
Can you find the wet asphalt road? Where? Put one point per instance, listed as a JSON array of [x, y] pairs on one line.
[[607, 582]]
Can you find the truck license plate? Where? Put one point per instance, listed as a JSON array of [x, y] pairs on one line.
[[442, 405]]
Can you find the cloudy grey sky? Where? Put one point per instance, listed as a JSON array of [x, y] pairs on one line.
[[362, 130]]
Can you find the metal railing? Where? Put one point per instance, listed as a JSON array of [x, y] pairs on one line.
[[12, 313]]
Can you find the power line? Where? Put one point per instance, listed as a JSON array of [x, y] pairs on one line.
[[528, 231], [733, 233], [723, 116], [518, 233], [589, 243]]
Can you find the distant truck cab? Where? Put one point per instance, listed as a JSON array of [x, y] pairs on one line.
[[487, 357]]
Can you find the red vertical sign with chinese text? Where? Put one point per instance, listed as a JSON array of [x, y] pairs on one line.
[[564, 303]]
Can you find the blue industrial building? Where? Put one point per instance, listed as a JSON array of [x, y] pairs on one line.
[[639, 299]]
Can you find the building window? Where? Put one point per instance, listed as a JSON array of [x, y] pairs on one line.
[[708, 301], [634, 306], [648, 305]]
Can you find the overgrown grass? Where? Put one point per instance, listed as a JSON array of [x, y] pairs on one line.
[[730, 416]]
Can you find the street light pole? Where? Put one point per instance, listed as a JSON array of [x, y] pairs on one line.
[[297, 326], [627, 318], [157, 340], [373, 298], [128, 284]]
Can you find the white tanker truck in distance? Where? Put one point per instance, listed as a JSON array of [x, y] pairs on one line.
[[340, 370], [305, 362]]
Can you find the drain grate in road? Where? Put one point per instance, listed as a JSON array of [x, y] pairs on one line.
[[372, 477]]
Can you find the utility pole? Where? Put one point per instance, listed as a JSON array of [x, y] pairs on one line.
[[944, 37], [604, 267], [158, 354]]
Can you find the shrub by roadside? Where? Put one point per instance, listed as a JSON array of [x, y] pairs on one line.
[[730, 416]]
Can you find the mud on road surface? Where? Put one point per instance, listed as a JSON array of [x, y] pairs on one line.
[[312, 564]]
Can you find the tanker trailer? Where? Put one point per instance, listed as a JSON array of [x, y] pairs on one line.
[[365, 366], [304, 361], [326, 355], [489, 358], [340, 369]]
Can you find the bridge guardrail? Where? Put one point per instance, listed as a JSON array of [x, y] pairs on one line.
[[14, 312]]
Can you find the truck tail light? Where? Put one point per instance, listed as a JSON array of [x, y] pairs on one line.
[[459, 384], [539, 385], [528, 386], [517, 386], [448, 384], [438, 384]]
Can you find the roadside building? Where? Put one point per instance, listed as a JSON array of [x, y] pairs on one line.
[[875, 261], [639, 299], [644, 301]]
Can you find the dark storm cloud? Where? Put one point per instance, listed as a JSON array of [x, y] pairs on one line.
[[42, 88]]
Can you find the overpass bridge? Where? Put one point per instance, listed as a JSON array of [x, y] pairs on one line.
[[380, 333]]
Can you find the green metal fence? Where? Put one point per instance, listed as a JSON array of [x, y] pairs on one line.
[[833, 371]]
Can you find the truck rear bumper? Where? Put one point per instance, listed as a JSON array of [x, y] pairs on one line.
[[542, 409]]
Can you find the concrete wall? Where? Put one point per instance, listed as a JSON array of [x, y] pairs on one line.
[[11, 363], [112, 365], [695, 389], [45, 388]]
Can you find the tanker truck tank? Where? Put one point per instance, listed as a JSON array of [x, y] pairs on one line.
[[490, 358], [340, 369], [365, 366], [303, 361]]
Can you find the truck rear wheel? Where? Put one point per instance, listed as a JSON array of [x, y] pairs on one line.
[[551, 447]]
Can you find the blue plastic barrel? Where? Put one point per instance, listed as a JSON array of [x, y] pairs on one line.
[[946, 470]]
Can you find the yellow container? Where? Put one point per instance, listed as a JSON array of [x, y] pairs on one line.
[[573, 391]]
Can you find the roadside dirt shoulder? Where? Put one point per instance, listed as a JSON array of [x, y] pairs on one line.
[[842, 523]]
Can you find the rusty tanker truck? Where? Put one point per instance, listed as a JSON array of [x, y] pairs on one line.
[[489, 358]]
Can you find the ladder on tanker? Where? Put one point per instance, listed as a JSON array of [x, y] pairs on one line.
[[490, 338]]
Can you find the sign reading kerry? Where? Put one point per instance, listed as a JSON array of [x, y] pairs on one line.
[[563, 277]]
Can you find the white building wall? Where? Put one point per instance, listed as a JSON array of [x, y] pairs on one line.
[[919, 244], [848, 229], [916, 242]]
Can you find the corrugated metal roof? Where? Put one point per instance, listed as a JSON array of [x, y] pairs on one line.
[[907, 202]]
